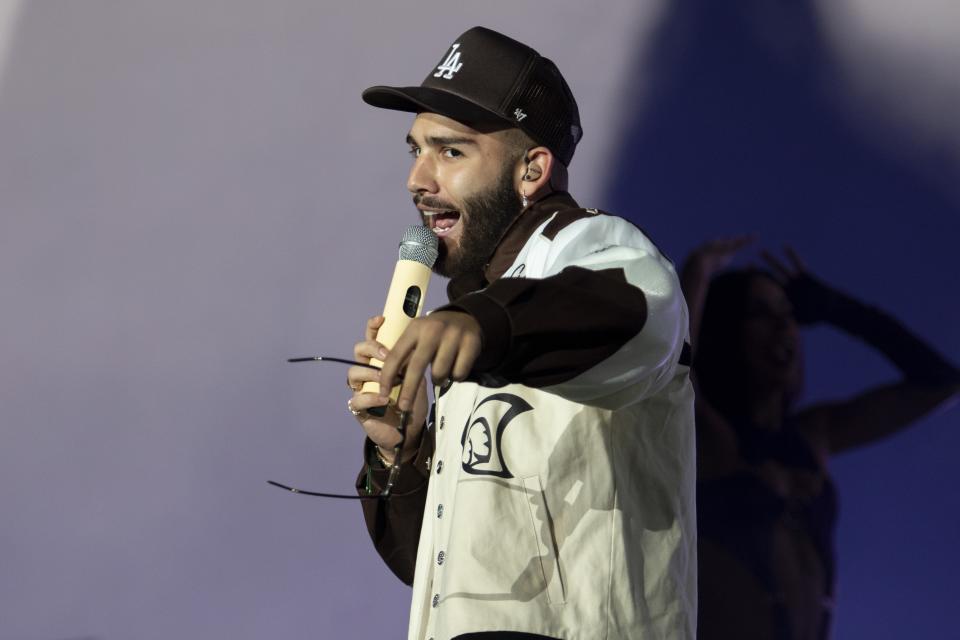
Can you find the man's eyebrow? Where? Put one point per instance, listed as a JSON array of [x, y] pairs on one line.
[[442, 141]]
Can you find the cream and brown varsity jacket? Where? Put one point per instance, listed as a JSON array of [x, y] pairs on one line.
[[553, 492]]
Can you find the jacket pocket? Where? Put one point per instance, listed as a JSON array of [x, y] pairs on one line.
[[542, 531]]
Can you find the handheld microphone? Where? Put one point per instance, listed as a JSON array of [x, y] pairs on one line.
[[408, 289]]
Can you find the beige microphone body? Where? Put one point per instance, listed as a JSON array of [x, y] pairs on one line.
[[408, 290]]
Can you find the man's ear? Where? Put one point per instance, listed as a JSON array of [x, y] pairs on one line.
[[536, 169]]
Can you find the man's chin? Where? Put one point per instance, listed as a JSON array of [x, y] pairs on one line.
[[445, 266]]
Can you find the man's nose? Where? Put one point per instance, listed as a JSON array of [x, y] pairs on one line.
[[422, 178]]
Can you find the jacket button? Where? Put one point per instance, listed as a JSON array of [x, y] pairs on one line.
[[439, 510], [442, 420], [436, 600], [439, 466], [440, 557]]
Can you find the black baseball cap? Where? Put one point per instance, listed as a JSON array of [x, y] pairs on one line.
[[484, 76]]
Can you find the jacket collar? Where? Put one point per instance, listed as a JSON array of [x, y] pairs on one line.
[[512, 241]]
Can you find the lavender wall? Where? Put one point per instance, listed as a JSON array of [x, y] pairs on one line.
[[193, 191]]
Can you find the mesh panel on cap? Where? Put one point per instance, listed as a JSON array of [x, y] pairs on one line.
[[552, 116]]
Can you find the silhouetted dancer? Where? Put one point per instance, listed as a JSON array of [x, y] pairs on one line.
[[766, 504]]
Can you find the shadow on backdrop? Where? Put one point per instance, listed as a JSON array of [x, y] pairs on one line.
[[743, 132]]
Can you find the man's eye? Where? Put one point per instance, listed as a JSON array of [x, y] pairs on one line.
[[414, 152], [452, 153]]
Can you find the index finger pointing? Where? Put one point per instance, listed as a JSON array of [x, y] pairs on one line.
[[394, 361]]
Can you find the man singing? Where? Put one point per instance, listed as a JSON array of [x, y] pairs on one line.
[[549, 493]]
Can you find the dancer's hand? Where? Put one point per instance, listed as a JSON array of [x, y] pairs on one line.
[[813, 300]]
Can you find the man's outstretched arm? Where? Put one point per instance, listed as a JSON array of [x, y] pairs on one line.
[[607, 327]]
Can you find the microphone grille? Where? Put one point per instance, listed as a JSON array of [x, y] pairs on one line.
[[419, 244]]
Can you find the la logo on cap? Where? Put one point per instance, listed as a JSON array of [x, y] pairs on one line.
[[451, 65]]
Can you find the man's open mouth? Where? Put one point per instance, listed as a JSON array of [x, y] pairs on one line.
[[441, 222]]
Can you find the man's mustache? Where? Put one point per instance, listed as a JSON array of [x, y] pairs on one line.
[[432, 203]]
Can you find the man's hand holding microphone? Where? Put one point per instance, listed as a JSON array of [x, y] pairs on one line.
[[446, 341]]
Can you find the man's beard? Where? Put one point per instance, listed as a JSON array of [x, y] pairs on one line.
[[485, 216]]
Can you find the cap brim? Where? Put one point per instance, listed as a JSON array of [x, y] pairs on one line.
[[418, 99]]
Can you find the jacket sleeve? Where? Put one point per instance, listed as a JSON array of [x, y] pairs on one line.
[[605, 326], [394, 524]]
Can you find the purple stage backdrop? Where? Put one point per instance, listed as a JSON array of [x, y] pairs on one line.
[[193, 191]]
